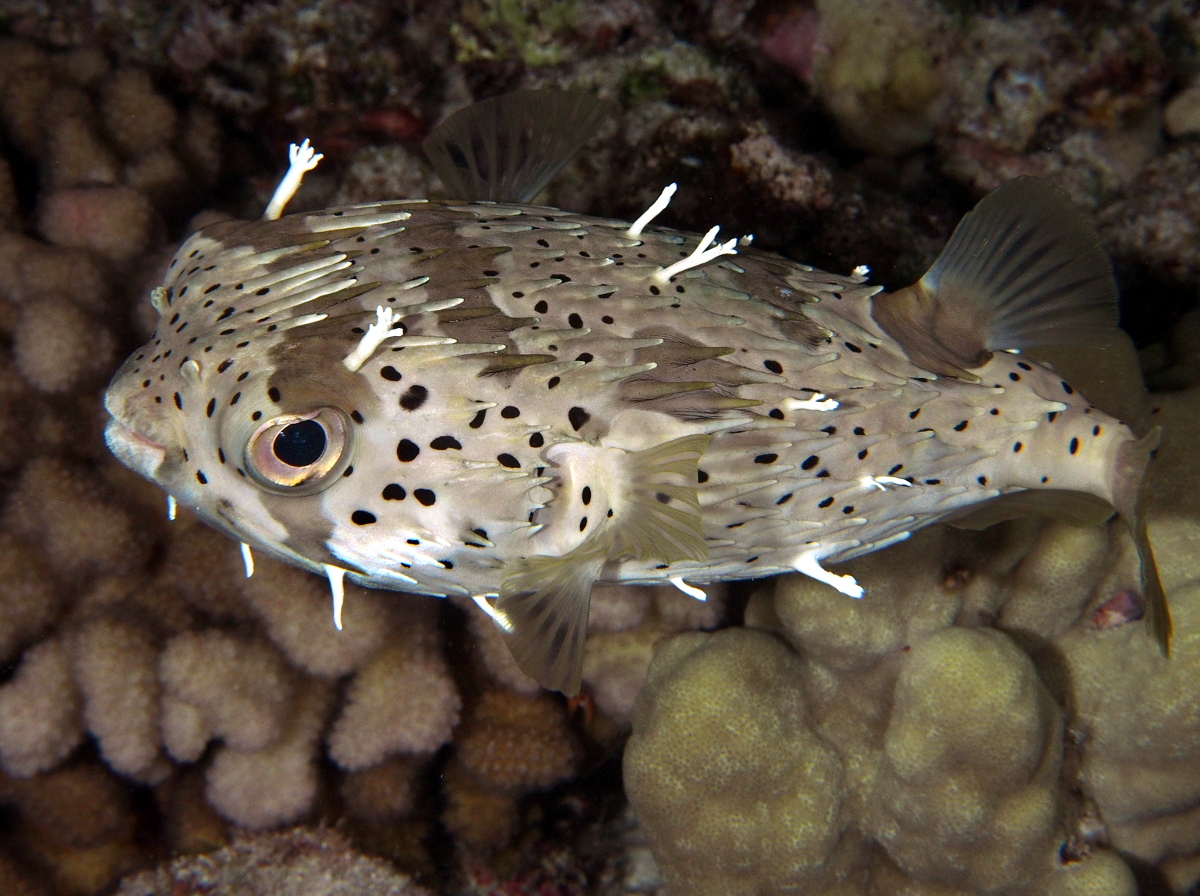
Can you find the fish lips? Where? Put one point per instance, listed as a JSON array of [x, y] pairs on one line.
[[133, 450]]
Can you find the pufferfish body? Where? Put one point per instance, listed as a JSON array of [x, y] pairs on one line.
[[512, 402]]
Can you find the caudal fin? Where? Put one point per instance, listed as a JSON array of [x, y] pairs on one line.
[[1130, 500]]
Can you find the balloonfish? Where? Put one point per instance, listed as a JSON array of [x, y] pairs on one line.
[[511, 402]]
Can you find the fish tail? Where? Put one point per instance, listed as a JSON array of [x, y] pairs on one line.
[[1129, 498]]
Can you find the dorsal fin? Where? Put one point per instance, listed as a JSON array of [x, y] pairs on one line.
[[505, 149], [1022, 269]]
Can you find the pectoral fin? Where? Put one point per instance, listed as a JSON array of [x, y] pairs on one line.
[[656, 516]]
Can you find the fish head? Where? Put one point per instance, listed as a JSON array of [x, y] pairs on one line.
[[245, 425]]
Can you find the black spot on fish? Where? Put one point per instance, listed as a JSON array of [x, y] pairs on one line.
[[1067, 388], [784, 500], [212, 406], [809, 462], [1074, 446], [541, 307], [1023, 365], [609, 514], [862, 455], [425, 496], [228, 312], [586, 495], [394, 492], [390, 373], [578, 417], [1017, 446], [201, 477], [510, 412], [575, 321], [982, 480], [859, 431], [995, 412], [356, 416], [773, 366], [854, 348], [273, 394], [362, 518], [933, 482], [961, 425], [224, 365], [896, 469], [775, 413], [830, 429], [243, 375], [257, 415], [662, 498], [848, 509], [536, 440], [552, 382], [482, 533], [221, 455], [654, 290], [606, 319], [477, 420], [1095, 430], [443, 443], [913, 415], [507, 460], [585, 357], [407, 450], [413, 397], [446, 564], [701, 476], [178, 401], [828, 502], [766, 458], [583, 524], [1015, 377]]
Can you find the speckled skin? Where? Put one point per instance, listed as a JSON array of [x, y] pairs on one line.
[[563, 357]]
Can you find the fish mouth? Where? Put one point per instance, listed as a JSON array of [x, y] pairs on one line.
[[133, 450]]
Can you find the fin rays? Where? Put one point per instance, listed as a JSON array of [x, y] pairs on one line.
[[505, 149], [1023, 269]]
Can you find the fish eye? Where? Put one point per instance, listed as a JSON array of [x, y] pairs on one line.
[[299, 452]]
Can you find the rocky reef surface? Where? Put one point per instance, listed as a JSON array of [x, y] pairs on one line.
[[993, 719]]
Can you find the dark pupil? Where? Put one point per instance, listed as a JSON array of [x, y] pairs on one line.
[[300, 444]]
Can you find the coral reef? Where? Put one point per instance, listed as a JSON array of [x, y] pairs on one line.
[[988, 720], [319, 862]]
